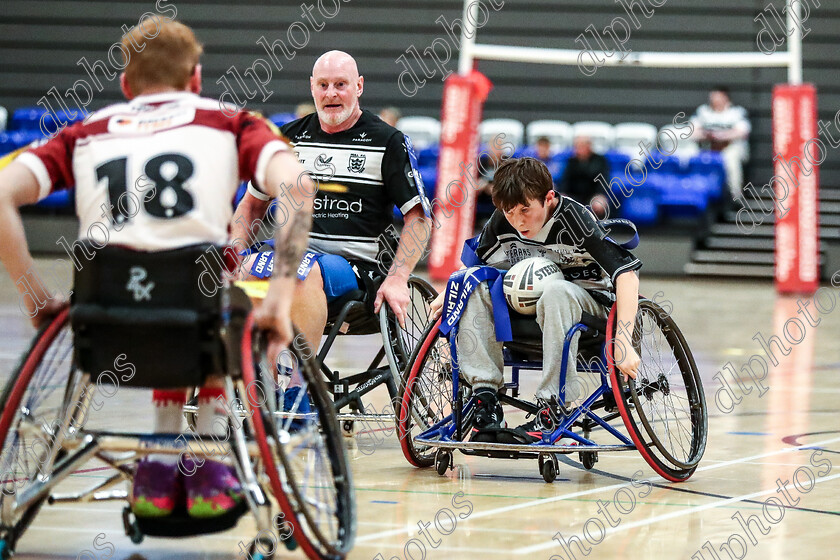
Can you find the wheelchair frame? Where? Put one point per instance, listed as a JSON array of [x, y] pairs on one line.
[[353, 315], [258, 446], [448, 433]]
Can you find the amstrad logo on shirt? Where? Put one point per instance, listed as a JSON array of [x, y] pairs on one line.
[[338, 205]]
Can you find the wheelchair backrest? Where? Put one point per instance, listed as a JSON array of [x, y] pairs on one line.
[[145, 309]]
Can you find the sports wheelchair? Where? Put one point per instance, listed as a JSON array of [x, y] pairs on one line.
[[663, 410], [162, 319], [352, 315]]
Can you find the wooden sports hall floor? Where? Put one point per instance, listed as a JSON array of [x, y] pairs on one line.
[[514, 514]]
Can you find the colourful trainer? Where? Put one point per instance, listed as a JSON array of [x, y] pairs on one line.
[[213, 490], [157, 489]]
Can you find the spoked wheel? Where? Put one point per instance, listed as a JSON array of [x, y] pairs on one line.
[[664, 408], [33, 423], [405, 340], [303, 453], [427, 394]]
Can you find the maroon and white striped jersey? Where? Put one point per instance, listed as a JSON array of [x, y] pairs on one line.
[[158, 172]]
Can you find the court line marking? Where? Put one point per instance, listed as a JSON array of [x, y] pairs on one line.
[[514, 507], [688, 511]]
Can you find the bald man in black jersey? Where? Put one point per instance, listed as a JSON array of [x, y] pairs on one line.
[[363, 168]]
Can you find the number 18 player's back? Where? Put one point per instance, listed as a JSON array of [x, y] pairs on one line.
[[157, 172]]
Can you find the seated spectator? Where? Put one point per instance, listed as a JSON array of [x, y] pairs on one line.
[[546, 155], [544, 150], [723, 127], [488, 161], [578, 182], [390, 115], [304, 109]]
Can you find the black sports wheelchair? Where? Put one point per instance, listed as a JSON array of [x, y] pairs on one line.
[[663, 410], [352, 315], [141, 320]]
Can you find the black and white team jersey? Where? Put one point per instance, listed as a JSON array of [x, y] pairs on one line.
[[361, 173], [571, 237]]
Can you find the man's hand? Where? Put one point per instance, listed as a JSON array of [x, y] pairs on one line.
[[52, 307], [273, 315], [437, 305], [628, 362], [394, 290]]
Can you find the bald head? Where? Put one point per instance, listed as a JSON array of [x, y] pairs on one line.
[[336, 87], [335, 61]]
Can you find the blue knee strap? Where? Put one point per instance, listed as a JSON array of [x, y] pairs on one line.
[[337, 273], [458, 289]]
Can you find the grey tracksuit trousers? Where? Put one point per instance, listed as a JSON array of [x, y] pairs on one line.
[[559, 308]]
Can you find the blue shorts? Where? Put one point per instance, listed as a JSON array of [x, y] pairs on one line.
[[338, 274]]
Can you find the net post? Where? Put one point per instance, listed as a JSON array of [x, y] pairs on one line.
[[794, 21], [468, 32]]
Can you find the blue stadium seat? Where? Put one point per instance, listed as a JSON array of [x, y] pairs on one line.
[[669, 164], [618, 163], [642, 207], [685, 197], [240, 193], [60, 199], [11, 141], [429, 174], [280, 119], [26, 118], [525, 151], [428, 156], [709, 164]]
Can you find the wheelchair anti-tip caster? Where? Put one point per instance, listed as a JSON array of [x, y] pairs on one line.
[[443, 460], [347, 428], [588, 459], [254, 553], [132, 530], [549, 466]]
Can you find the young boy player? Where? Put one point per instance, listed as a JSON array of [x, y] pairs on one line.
[[533, 220]]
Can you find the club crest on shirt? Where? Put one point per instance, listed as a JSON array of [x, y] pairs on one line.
[[356, 163]]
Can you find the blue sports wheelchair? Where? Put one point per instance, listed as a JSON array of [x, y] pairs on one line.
[[663, 410]]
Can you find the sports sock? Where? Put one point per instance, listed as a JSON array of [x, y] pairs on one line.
[[169, 406]]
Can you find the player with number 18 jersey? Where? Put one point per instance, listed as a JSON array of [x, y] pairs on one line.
[[150, 174]]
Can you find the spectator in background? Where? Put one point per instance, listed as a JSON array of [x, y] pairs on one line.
[[303, 109], [578, 182], [544, 150], [724, 127], [390, 115], [546, 155]]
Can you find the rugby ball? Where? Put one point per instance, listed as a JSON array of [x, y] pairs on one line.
[[525, 281]]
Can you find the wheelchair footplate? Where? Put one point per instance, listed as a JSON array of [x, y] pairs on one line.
[[445, 438]]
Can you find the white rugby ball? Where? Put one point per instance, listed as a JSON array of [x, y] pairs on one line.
[[525, 282]]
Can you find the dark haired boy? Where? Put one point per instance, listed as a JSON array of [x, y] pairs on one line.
[[533, 220]]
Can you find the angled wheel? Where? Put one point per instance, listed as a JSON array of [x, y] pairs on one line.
[[303, 453], [664, 408], [404, 340], [34, 422], [426, 394]]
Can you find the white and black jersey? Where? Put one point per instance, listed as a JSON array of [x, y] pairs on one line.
[[361, 173], [571, 237]]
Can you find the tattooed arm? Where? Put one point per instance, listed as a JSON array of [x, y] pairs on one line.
[[287, 181]]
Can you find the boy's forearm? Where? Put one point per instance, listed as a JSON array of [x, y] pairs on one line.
[[627, 304]]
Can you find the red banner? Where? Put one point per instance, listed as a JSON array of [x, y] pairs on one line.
[[454, 206], [797, 154]]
